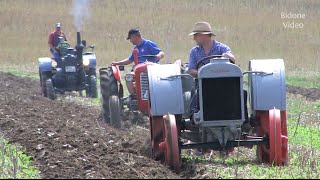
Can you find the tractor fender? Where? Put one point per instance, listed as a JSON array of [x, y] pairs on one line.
[[267, 90], [165, 89], [92, 58], [116, 73], [45, 64]]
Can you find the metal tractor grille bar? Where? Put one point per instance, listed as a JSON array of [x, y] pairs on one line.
[[221, 99], [144, 86]]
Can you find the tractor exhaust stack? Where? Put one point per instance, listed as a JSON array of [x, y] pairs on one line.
[[79, 47]]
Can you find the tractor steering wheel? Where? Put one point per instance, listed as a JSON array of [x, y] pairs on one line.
[[202, 61]]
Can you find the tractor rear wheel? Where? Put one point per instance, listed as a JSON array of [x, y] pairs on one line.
[[115, 111], [170, 145], [50, 90], [108, 87]]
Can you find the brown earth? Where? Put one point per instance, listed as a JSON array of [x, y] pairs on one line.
[[311, 94], [68, 140]]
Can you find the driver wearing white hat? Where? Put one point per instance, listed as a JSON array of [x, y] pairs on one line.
[[202, 34]]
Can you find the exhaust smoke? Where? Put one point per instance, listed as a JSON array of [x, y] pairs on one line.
[[80, 12]]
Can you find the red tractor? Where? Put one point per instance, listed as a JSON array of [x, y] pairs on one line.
[[112, 93], [217, 125]]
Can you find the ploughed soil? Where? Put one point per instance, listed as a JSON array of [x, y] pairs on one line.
[[311, 94], [69, 140]]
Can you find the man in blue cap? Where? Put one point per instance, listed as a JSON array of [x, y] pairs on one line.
[[144, 47]]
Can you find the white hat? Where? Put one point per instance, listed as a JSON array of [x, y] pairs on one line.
[[58, 24]]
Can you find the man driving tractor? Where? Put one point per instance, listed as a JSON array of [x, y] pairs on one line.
[[147, 51], [53, 40], [202, 35]]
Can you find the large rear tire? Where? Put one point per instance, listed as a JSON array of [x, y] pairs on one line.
[[108, 87], [115, 111], [50, 90]]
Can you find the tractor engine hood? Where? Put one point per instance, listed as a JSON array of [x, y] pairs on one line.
[[219, 68]]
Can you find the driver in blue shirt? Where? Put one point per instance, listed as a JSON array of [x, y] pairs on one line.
[[144, 47], [202, 35], [206, 46]]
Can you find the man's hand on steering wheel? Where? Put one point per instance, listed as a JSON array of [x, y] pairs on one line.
[[226, 55]]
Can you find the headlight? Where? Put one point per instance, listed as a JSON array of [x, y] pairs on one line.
[[86, 62], [128, 77], [54, 64]]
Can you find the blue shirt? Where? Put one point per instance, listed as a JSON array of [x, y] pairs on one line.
[[146, 47], [197, 53]]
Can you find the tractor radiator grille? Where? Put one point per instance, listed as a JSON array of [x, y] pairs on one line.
[[144, 86], [221, 99]]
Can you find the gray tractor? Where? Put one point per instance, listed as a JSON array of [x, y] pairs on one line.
[[217, 123]]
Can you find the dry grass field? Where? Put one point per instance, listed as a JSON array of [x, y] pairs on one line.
[[253, 29]]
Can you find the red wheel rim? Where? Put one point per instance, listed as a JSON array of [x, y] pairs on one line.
[[273, 125], [170, 145], [275, 136]]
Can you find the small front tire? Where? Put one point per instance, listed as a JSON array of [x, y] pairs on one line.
[[50, 90], [114, 106]]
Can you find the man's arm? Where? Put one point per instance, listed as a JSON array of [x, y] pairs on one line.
[[154, 49], [192, 64], [50, 43], [230, 56], [51, 46], [160, 55], [64, 35], [226, 52], [123, 62], [193, 73]]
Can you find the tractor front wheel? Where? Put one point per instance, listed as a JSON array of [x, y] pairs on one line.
[[50, 90], [108, 87], [170, 145], [115, 111], [43, 79], [273, 126]]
